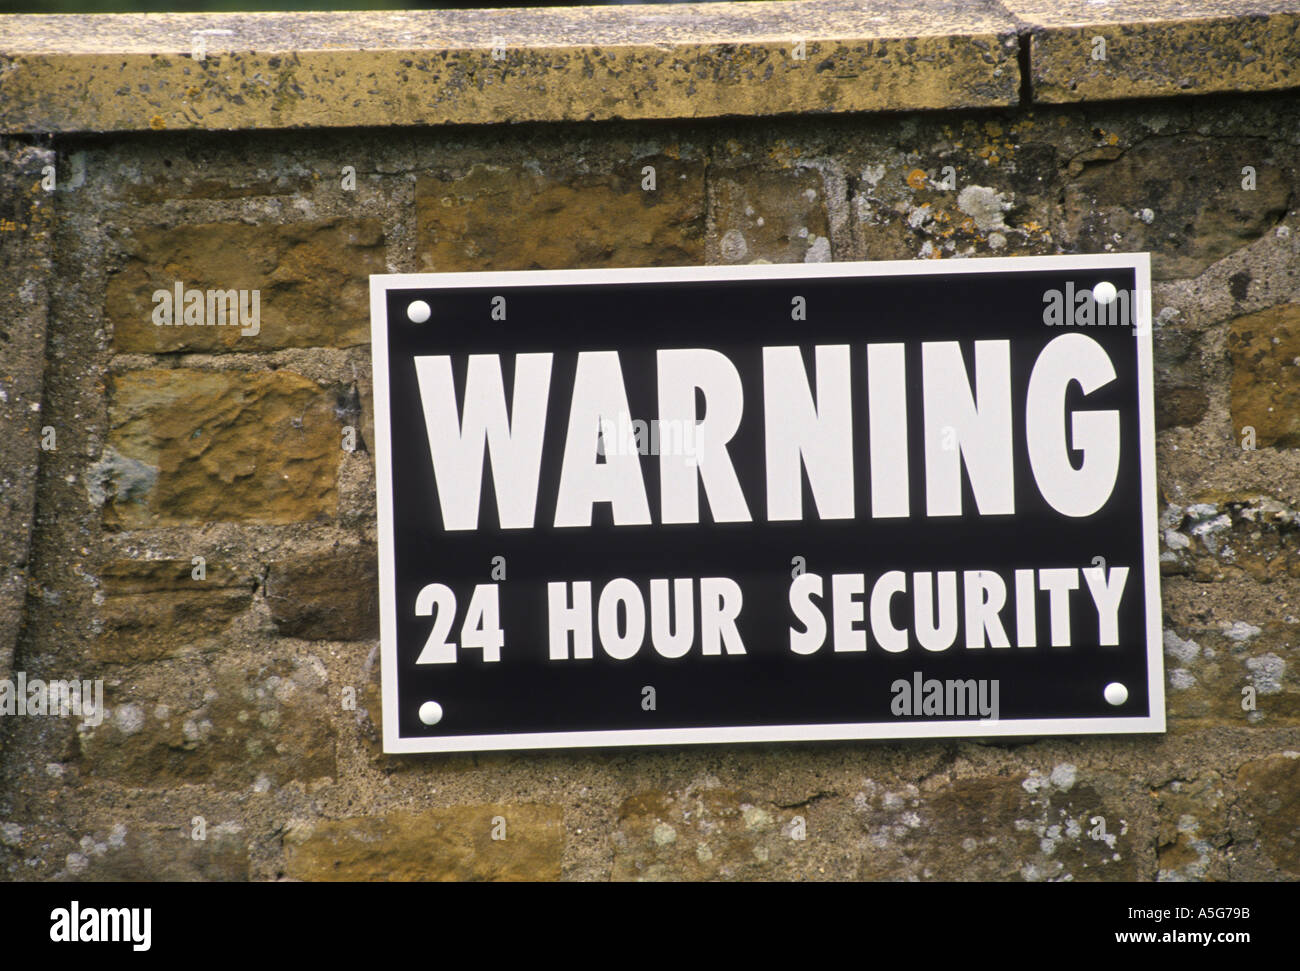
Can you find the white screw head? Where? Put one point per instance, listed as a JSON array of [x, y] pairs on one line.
[[1104, 292], [419, 311], [1116, 693], [431, 713]]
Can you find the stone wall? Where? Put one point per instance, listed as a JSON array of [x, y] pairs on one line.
[[232, 747]]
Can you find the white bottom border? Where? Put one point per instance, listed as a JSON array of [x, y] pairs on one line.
[[781, 733]]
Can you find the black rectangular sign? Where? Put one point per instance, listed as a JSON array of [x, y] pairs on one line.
[[759, 503]]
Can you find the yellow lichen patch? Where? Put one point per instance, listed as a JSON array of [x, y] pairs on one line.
[[917, 179], [782, 153], [157, 123]]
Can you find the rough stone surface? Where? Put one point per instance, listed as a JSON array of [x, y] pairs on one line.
[[25, 264], [1193, 830], [1255, 538], [1272, 801], [312, 281], [1217, 676], [1052, 827], [1158, 47], [521, 842], [157, 608], [1178, 406], [1037, 827], [117, 852], [777, 217], [193, 446], [331, 596], [459, 220], [227, 723], [709, 834], [1192, 189], [483, 66], [968, 187], [1265, 349]]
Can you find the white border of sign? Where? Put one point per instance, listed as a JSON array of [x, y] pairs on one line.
[[380, 284]]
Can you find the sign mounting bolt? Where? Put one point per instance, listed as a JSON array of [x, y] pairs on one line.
[[418, 311], [431, 713]]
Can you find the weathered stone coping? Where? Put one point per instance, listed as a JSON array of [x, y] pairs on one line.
[[322, 70]]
